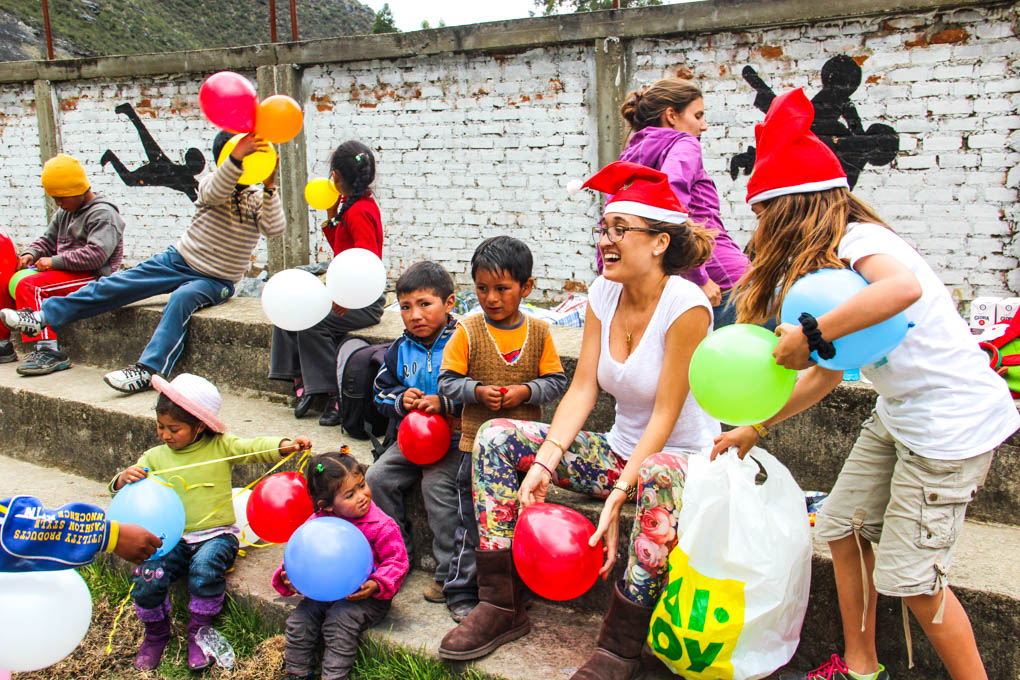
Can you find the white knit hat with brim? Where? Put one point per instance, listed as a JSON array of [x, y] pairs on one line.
[[196, 395]]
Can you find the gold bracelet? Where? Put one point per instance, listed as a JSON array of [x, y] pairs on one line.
[[761, 430], [556, 444]]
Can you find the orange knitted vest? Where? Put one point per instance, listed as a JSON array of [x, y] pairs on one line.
[[488, 366]]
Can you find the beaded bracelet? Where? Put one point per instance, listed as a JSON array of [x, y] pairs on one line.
[[816, 343]]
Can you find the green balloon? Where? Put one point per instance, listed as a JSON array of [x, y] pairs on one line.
[[18, 275], [734, 377], [1012, 374]]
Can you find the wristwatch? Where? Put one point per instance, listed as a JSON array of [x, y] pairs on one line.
[[761, 430], [628, 489]]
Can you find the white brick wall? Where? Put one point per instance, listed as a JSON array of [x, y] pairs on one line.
[[472, 145], [467, 147], [952, 191]]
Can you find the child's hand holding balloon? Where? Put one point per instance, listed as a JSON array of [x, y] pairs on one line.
[[136, 544], [365, 591], [131, 475]]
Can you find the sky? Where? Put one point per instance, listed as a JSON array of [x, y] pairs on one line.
[[409, 14]]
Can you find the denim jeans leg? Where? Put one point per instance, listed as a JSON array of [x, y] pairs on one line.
[[209, 565], [152, 578], [167, 343]]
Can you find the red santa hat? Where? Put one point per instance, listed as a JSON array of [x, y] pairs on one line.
[[635, 190], [790, 158]]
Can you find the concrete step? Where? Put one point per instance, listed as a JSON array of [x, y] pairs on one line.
[[70, 421], [229, 344], [985, 576]]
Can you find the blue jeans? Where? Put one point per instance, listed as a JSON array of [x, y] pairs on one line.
[[725, 314], [167, 272], [205, 563]]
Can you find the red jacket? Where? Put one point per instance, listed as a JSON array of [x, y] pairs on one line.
[[360, 227]]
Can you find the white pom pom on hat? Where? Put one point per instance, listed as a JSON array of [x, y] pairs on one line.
[[574, 186]]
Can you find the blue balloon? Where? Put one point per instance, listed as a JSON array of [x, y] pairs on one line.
[[151, 504], [327, 559], [822, 291]]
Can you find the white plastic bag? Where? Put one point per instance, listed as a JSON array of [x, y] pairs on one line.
[[740, 574]]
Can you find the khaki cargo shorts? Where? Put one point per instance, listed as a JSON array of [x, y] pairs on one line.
[[912, 507]]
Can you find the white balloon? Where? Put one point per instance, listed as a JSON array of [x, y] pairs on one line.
[[295, 300], [47, 615], [241, 516], [356, 278]]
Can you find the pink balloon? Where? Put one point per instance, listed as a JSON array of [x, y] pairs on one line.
[[229, 101], [5, 675]]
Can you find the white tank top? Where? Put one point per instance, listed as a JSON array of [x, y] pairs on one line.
[[634, 382]]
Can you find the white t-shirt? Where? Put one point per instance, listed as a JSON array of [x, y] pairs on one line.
[[936, 392], [634, 382]]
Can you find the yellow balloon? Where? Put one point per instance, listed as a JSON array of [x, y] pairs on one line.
[[257, 166], [321, 194]]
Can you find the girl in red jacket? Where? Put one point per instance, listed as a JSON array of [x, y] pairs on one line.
[[309, 357]]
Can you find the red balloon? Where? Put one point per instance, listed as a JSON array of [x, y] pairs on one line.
[[229, 101], [552, 554], [423, 438], [278, 505]]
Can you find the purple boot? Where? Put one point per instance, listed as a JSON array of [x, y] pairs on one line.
[[203, 609], [157, 635]]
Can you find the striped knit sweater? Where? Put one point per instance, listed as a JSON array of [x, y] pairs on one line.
[[227, 224], [88, 240]]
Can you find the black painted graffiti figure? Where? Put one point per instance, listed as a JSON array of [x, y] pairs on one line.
[[837, 122], [159, 170]]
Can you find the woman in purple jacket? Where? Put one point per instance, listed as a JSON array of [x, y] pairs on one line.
[[666, 121]]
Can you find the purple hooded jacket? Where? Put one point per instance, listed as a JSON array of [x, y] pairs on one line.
[[678, 155]]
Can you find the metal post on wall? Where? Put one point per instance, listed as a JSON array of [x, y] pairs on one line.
[[293, 20], [49, 33], [272, 21]]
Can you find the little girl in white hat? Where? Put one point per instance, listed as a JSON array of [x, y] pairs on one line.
[[187, 421]]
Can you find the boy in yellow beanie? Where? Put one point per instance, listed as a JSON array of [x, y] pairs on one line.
[[200, 270], [83, 242]]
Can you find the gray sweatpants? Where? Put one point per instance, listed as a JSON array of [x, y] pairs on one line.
[[338, 625], [311, 354], [393, 475]]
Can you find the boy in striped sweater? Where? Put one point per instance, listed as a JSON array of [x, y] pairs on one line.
[[83, 242], [199, 271]]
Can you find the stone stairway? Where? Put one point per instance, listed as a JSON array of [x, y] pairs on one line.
[[66, 434]]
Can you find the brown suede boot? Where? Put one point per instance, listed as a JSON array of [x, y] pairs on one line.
[[623, 634], [500, 615]]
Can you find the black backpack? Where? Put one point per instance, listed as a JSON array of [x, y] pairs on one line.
[[357, 364]]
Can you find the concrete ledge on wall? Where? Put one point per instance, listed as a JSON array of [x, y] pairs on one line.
[[496, 36]]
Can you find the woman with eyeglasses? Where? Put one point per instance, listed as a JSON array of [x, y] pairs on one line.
[[666, 122], [643, 323]]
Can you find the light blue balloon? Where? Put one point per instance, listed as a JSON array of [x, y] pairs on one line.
[[822, 291], [327, 559], [151, 504]]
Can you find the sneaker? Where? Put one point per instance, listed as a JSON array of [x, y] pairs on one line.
[[331, 416], [460, 610], [131, 379], [24, 320], [833, 669], [7, 353], [44, 362], [434, 592]]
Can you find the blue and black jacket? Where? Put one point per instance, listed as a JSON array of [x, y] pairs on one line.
[[33, 538], [408, 363]]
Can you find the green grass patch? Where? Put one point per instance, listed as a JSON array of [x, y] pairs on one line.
[[257, 640]]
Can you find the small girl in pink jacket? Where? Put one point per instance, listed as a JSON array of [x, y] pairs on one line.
[[337, 487]]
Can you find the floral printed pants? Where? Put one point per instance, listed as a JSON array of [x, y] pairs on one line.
[[506, 447]]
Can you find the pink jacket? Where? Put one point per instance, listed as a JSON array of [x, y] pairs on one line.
[[388, 551]]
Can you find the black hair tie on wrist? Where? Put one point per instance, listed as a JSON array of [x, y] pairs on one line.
[[816, 343]]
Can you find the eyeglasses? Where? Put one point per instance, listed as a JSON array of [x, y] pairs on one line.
[[616, 234]]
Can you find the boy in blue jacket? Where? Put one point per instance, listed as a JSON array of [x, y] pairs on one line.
[[408, 381], [33, 538]]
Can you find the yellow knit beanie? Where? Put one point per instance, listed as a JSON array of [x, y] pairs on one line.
[[63, 176]]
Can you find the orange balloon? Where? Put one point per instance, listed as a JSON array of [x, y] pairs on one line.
[[278, 119]]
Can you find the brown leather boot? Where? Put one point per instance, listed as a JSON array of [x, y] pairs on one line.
[[500, 615], [623, 634]]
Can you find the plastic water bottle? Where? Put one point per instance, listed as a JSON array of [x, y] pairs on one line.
[[215, 646], [852, 374]]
